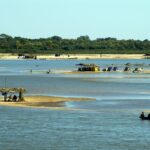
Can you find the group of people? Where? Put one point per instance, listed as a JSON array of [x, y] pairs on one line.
[[12, 98], [142, 116]]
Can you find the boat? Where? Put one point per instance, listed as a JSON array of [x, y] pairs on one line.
[[145, 118]]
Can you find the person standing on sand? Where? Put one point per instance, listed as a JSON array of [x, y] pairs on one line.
[[14, 98]]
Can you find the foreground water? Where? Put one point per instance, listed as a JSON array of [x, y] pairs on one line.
[[110, 122]]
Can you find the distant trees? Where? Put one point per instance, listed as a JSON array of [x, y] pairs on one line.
[[56, 38], [83, 38], [82, 44]]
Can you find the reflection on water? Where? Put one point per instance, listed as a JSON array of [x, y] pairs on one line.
[[110, 122]]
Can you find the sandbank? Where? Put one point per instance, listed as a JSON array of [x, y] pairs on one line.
[[92, 72], [42, 102], [82, 72], [10, 56]]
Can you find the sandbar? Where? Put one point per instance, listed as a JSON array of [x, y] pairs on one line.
[[97, 72], [9, 56], [42, 102]]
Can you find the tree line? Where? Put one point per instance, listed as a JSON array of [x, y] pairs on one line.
[[82, 44]]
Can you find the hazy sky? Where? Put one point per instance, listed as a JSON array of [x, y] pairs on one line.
[[122, 19]]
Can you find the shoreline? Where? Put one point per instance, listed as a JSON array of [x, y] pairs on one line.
[[42, 102], [9, 56], [100, 72]]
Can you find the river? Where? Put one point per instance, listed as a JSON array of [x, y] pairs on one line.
[[110, 122]]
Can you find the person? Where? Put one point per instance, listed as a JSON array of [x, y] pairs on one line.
[[14, 98], [142, 115], [48, 72]]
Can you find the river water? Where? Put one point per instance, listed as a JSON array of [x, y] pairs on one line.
[[109, 123]]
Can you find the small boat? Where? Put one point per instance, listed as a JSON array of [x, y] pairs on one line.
[[145, 118]]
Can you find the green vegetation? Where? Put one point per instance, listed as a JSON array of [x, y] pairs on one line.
[[82, 44]]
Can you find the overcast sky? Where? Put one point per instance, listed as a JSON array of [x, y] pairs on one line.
[[123, 19]]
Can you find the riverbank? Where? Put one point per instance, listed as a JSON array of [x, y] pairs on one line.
[[42, 102], [74, 56]]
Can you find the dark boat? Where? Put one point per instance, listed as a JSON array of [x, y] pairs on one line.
[[145, 118]]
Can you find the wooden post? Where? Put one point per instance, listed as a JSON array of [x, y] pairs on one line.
[[5, 96], [21, 95]]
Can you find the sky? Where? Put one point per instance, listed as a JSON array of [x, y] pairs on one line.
[[122, 19]]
